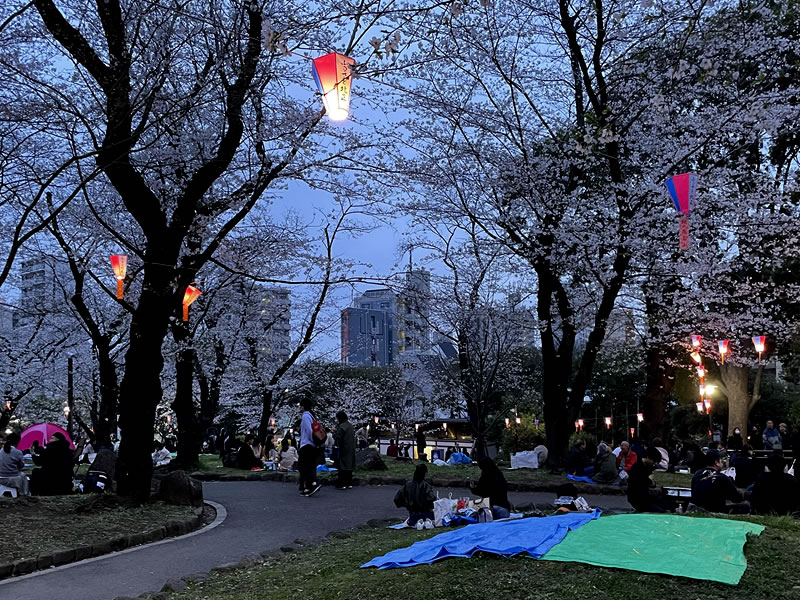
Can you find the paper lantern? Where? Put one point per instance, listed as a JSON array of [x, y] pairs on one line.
[[375, 419], [608, 422], [580, 423], [681, 189], [759, 341], [723, 349], [576, 426], [701, 372], [699, 406], [508, 423], [640, 417], [632, 430], [272, 422], [119, 262], [191, 294], [707, 404], [696, 357], [696, 341], [332, 76], [444, 426]]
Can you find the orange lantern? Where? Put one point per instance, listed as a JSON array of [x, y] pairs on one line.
[[723, 349], [580, 424], [119, 262], [333, 78], [191, 294], [632, 430]]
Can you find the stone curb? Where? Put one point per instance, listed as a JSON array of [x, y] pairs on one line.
[[252, 560], [513, 486], [57, 558]]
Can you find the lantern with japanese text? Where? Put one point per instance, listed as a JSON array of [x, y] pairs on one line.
[[723, 350], [119, 262], [759, 341], [681, 189], [332, 76], [191, 294]]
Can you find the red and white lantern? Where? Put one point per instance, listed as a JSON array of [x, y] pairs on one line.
[[191, 294], [696, 341], [723, 349], [759, 341], [332, 74]]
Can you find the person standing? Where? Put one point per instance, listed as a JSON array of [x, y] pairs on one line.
[[786, 437], [421, 445], [346, 441], [308, 452], [771, 437]]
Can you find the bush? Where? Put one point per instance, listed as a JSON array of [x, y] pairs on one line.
[[524, 436]]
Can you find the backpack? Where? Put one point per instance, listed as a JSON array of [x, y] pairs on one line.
[[318, 432]]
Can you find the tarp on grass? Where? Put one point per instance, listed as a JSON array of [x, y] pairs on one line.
[[534, 536], [700, 548]]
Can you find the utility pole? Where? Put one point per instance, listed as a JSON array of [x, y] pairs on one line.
[[70, 396]]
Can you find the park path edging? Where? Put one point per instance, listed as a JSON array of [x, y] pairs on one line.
[[171, 530]]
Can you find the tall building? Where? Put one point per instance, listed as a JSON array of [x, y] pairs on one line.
[[39, 287], [382, 325]]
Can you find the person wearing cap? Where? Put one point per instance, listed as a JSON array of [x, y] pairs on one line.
[[715, 491]]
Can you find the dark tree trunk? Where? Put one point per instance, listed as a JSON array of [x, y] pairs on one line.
[[660, 381], [190, 438]]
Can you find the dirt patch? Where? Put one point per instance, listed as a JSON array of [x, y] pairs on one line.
[[41, 525]]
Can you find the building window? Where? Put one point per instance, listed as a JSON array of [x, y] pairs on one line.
[[372, 321]]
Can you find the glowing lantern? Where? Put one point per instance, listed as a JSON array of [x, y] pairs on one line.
[[375, 419], [632, 430], [536, 422], [119, 262], [699, 406], [707, 404], [416, 425], [696, 357], [640, 417], [681, 189], [608, 422], [701, 372], [444, 426], [518, 420], [332, 76], [508, 423], [576, 426], [759, 342], [723, 349], [580, 423], [191, 294], [696, 341], [272, 422], [702, 390]]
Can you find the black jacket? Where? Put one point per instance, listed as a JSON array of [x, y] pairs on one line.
[[55, 475], [640, 486], [577, 462], [416, 496], [711, 489], [775, 493], [494, 487], [747, 470]]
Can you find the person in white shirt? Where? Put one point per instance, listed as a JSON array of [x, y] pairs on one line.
[[308, 452]]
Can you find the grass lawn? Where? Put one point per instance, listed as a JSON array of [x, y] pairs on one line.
[[38, 525], [330, 570], [212, 463]]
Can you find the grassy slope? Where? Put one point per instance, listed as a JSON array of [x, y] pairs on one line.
[[33, 526], [331, 571]]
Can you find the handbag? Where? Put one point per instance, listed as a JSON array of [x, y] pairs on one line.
[[443, 507], [477, 505], [318, 431]]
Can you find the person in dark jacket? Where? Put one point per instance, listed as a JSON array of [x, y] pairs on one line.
[[421, 445], [775, 491], [492, 484], [418, 497], [747, 469], [54, 475], [735, 441], [642, 494], [578, 463], [246, 458], [605, 466], [713, 490], [345, 438]]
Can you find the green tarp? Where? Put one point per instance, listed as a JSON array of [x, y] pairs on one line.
[[710, 549]]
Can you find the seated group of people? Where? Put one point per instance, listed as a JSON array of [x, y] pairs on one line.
[[417, 495], [612, 466], [53, 475]]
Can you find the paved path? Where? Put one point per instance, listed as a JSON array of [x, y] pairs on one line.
[[261, 516]]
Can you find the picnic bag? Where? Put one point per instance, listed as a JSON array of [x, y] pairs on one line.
[[480, 503], [318, 432], [441, 508]]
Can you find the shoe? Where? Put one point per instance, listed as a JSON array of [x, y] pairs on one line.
[[314, 489], [428, 524], [349, 487], [419, 525]]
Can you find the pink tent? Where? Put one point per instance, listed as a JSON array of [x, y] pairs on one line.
[[41, 432]]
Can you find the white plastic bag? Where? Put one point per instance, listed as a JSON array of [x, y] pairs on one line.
[[791, 469], [442, 507]]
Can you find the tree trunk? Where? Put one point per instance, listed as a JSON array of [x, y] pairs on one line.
[[740, 401], [189, 435], [140, 391], [660, 381]]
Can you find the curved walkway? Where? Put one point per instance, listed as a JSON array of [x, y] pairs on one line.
[[260, 516]]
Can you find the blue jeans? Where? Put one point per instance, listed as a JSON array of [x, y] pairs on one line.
[[499, 512]]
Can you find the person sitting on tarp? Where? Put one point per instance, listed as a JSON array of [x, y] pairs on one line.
[[775, 491], [54, 475], [493, 485], [605, 466], [626, 458], [578, 463], [713, 490], [642, 493], [418, 497]]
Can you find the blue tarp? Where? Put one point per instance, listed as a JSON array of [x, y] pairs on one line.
[[534, 536], [580, 478], [459, 458]]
